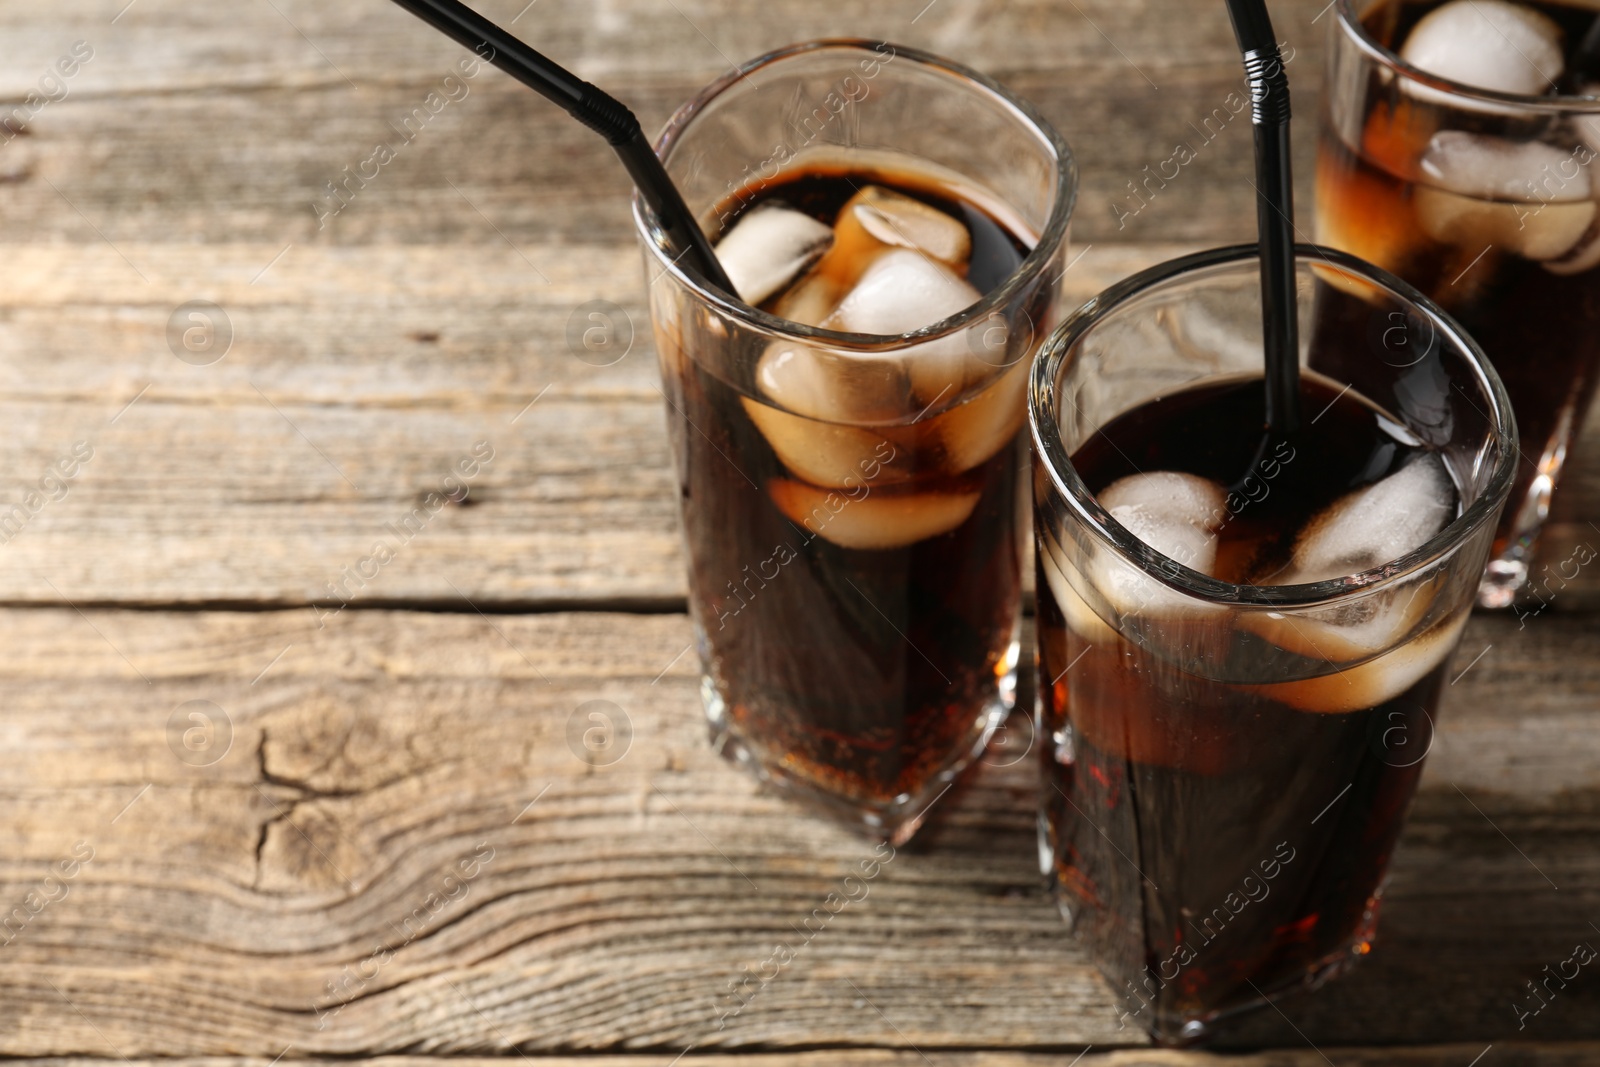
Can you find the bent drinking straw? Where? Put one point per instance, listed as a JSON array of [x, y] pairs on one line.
[[597, 110]]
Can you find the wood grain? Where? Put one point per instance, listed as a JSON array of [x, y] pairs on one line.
[[369, 757], [357, 379], [250, 111], [1526, 1054], [183, 163], [257, 479], [302, 895]]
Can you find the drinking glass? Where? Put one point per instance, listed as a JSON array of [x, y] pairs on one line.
[[1227, 767], [854, 567], [1412, 176]]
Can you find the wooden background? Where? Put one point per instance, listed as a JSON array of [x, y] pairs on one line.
[[285, 892]]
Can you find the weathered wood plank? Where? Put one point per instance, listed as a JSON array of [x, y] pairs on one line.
[[233, 907], [370, 757], [1528, 1054], [260, 477], [183, 165], [251, 111], [357, 378]]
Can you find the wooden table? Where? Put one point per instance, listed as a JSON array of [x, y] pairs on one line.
[[238, 820]]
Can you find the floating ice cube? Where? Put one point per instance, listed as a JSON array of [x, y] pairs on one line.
[[1524, 197], [811, 300], [1493, 168], [972, 432], [875, 220], [1587, 123], [768, 248], [1547, 232], [871, 518], [1080, 617], [1375, 681], [835, 456], [1347, 632], [1362, 530], [876, 217], [1488, 44], [1176, 514], [834, 386], [902, 291], [1375, 524], [1585, 255]]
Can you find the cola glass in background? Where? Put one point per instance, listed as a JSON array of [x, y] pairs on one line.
[[1242, 638], [1464, 164], [852, 473]]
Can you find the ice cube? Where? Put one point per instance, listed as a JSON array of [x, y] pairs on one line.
[[1539, 232], [768, 248], [1526, 197], [876, 219], [871, 518], [971, 433], [1346, 632], [1375, 524], [1080, 617], [1585, 255], [904, 290], [835, 456], [1493, 168], [1362, 530], [1374, 681], [811, 300], [1488, 44], [1587, 123], [837, 387], [1176, 514]]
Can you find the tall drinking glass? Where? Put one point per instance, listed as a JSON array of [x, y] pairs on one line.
[[853, 504], [1227, 766], [1486, 202]]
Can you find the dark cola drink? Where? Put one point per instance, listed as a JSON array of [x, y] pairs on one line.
[[1489, 209], [1224, 786], [853, 517]]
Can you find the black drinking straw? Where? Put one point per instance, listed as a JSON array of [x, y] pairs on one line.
[[593, 107], [1269, 97]]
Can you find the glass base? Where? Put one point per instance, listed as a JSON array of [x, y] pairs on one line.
[[894, 821], [1178, 1030]]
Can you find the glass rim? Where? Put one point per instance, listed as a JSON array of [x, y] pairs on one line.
[[1174, 574], [1050, 237], [1554, 105]]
